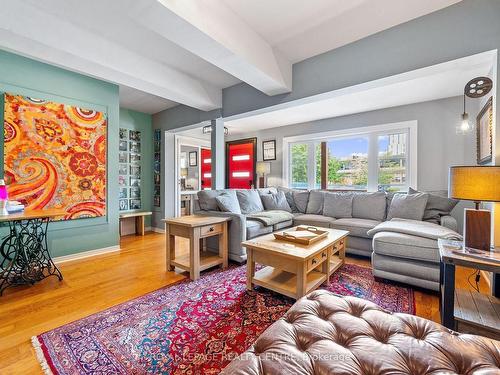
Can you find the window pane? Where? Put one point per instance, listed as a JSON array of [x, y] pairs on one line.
[[298, 165], [392, 154], [317, 155], [348, 163]]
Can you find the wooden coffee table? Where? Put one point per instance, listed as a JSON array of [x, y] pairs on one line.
[[196, 228], [292, 269]]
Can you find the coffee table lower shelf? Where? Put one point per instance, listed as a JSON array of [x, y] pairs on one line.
[[286, 282]]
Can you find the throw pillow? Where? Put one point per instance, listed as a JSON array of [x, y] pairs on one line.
[[228, 202], [436, 207], [249, 201], [315, 203], [275, 202], [407, 206], [206, 199], [369, 205], [338, 205], [300, 198], [289, 198]]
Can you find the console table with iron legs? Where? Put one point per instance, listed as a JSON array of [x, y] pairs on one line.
[[24, 254]]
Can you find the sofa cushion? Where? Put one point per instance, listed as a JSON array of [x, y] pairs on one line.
[[338, 205], [275, 202], [256, 228], [369, 205], [300, 199], [356, 227], [228, 202], [249, 201], [406, 246], [436, 207], [206, 199], [268, 190], [289, 198], [282, 225], [314, 220], [315, 203], [407, 206]]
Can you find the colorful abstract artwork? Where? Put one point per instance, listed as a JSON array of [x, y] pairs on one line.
[[55, 156]]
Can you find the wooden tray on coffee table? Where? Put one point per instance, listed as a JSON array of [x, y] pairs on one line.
[[316, 235]]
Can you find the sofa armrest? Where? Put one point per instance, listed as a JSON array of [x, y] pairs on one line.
[[449, 222]]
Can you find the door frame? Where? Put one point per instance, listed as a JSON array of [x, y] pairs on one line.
[[181, 140], [252, 140]]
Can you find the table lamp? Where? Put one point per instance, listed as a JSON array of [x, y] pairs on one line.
[[477, 184], [263, 168]]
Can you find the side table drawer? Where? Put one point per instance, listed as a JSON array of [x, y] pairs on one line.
[[209, 230], [316, 260]]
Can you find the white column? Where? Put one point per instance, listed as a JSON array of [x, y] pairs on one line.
[[218, 154]]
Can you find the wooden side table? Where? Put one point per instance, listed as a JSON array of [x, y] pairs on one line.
[[196, 228], [461, 309]]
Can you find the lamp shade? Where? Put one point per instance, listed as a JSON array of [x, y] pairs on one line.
[[263, 168], [475, 183], [184, 172]]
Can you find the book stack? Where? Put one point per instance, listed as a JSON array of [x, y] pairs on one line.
[[14, 207]]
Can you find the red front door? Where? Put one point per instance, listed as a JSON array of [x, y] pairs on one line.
[[206, 169], [240, 163]]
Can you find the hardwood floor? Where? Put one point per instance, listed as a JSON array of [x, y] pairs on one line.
[[94, 284]]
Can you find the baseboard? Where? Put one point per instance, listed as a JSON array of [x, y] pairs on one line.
[[87, 254], [157, 230]]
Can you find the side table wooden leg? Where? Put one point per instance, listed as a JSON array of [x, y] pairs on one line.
[[194, 254], [170, 248], [301, 279], [223, 248], [447, 291], [139, 225], [250, 268]]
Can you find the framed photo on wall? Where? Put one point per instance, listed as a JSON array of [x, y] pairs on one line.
[[269, 150], [484, 133], [193, 158]]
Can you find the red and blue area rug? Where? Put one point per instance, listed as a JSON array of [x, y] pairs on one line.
[[193, 327]]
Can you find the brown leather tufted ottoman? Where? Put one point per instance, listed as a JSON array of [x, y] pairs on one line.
[[327, 334]]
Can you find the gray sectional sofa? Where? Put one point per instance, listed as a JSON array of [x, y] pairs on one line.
[[404, 250]]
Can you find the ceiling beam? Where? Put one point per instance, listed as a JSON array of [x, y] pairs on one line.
[[34, 33], [210, 30]]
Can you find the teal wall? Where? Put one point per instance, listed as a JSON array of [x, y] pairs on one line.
[[24, 76], [133, 120]]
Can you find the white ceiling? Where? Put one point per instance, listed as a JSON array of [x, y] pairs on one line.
[[301, 29], [163, 52], [430, 83]]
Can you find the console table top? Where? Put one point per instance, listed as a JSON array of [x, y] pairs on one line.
[[33, 214]]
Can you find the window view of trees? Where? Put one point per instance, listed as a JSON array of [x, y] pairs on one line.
[[348, 163], [298, 163]]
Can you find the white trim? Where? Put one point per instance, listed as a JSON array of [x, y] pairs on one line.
[[411, 126], [86, 254]]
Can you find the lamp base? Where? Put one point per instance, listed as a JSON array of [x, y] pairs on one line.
[[262, 182], [477, 229]]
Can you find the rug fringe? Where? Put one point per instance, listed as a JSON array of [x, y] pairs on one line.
[[40, 356]]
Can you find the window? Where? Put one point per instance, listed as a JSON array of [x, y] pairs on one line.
[[367, 159], [347, 163], [392, 162], [299, 154]]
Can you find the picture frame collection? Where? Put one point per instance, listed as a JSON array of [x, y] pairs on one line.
[[156, 169], [129, 170]]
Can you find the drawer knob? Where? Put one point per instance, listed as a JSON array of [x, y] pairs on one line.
[[323, 255], [314, 261], [211, 229]]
